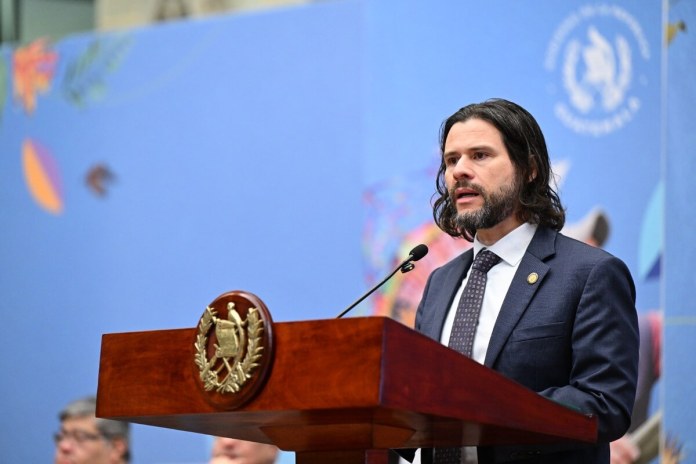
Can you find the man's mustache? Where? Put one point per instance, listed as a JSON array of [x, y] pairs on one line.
[[467, 185]]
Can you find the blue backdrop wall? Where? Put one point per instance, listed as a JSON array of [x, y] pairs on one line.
[[678, 396], [292, 154]]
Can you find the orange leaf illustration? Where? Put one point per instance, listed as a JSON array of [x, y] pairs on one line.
[[33, 67]]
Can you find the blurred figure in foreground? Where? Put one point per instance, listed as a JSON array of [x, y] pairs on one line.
[[233, 451], [85, 439]]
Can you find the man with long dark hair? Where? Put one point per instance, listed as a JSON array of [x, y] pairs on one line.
[[549, 312]]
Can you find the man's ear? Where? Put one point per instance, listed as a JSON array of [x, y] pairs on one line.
[[118, 449], [532, 168]]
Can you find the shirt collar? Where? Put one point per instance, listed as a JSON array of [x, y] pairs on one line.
[[512, 247]]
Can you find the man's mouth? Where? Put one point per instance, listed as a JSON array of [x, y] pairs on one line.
[[465, 193]]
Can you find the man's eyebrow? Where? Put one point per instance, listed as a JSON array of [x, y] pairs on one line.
[[481, 147]]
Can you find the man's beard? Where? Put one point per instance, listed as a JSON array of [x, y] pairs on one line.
[[497, 206]]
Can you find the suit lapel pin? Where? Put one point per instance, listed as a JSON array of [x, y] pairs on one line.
[[532, 278]]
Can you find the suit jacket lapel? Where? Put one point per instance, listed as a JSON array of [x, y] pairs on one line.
[[521, 290], [449, 289]]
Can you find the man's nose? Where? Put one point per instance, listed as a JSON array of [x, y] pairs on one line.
[[229, 443], [462, 169], [65, 446]]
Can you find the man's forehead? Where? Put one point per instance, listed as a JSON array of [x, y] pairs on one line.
[[80, 422], [474, 131]]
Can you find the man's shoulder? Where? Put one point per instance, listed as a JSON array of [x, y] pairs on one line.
[[576, 254], [553, 247], [569, 244]]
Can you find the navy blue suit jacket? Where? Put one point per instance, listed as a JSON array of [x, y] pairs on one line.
[[571, 336]]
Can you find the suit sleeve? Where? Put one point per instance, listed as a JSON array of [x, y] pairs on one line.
[[604, 347]]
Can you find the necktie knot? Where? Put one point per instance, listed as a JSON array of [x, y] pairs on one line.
[[485, 260]]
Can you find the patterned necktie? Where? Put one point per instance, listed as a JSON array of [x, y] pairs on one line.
[[469, 308], [464, 328]]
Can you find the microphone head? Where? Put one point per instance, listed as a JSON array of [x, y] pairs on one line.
[[418, 252]]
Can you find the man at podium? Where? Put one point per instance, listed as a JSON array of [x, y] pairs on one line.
[[547, 311]]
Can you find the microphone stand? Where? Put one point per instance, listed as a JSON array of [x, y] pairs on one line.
[[405, 267]]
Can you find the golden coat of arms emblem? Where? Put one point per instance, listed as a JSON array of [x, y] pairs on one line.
[[233, 348]]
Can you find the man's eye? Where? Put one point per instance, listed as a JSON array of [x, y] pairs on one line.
[[450, 161], [479, 155]]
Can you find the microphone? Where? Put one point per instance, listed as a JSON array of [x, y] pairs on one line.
[[407, 265]]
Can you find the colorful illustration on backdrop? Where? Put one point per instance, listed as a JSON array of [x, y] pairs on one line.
[[33, 69], [84, 81], [99, 179], [673, 29], [42, 176], [86, 76], [399, 297], [398, 216]]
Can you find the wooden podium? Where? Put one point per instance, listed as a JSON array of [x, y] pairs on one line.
[[339, 391]]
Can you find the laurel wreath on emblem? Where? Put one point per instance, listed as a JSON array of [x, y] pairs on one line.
[[240, 370]]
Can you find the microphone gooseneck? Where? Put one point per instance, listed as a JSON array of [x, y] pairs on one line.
[[407, 265]]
